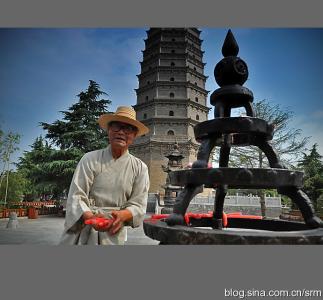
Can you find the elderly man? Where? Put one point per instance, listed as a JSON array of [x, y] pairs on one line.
[[109, 183]]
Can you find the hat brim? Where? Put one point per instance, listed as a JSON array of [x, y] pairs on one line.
[[107, 118]]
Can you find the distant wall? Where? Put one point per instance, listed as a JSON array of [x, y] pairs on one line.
[[247, 205]]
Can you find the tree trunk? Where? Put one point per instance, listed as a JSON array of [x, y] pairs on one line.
[[263, 208], [261, 193]]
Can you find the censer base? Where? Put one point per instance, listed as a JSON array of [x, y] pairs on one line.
[[238, 232]]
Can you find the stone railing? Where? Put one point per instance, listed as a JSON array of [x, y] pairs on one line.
[[239, 201]]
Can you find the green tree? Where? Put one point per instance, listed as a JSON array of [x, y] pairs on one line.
[[312, 166], [79, 128], [32, 166], [16, 188], [8, 146], [50, 166]]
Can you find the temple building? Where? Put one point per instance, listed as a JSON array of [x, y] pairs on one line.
[[171, 98]]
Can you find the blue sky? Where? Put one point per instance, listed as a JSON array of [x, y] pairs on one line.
[[42, 71]]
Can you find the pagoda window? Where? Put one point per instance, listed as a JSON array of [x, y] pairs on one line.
[[196, 99], [170, 132], [145, 116], [197, 117], [171, 113], [146, 98], [172, 79], [172, 64], [173, 51], [171, 95]]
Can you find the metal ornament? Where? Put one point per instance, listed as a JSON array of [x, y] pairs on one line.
[[225, 132]]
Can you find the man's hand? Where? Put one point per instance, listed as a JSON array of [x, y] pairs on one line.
[[90, 216], [119, 218]]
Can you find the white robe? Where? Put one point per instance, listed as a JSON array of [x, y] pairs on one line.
[[101, 184]]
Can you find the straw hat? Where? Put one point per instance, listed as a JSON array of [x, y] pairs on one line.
[[123, 114]]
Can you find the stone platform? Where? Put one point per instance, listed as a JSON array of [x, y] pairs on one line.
[[47, 230]]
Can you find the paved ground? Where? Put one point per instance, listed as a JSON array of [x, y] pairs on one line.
[[46, 230]]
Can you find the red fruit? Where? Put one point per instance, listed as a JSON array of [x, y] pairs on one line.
[[100, 222]]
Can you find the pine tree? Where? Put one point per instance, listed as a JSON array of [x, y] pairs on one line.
[[80, 128], [32, 165], [312, 166], [51, 169]]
